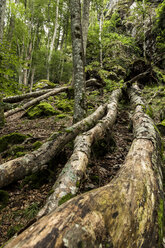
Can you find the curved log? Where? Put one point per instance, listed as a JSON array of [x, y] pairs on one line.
[[71, 175], [18, 98], [35, 101], [20, 167], [125, 213]]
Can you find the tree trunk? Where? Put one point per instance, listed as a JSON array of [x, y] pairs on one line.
[[2, 118], [75, 168], [128, 212], [78, 61], [85, 23], [35, 101], [2, 17], [53, 40], [100, 38], [18, 98], [37, 160], [32, 79]]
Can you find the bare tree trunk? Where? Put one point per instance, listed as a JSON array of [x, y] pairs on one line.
[[2, 17], [78, 61], [75, 168], [35, 101], [37, 160], [85, 23], [32, 79], [2, 118], [18, 98], [53, 40], [128, 212], [100, 38]]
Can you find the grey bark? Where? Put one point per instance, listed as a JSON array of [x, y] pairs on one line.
[[75, 168], [37, 160], [128, 212], [2, 16], [85, 23], [35, 101], [78, 61]]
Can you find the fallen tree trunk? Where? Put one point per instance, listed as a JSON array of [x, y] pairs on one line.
[[35, 101], [128, 212], [18, 98], [70, 177], [20, 167]]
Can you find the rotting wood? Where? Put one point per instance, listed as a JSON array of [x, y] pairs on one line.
[[71, 175], [35, 101], [125, 213], [18, 98], [37, 160]]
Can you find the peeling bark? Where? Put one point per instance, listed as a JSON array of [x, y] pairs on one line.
[[35, 101], [37, 160], [125, 213], [74, 170]]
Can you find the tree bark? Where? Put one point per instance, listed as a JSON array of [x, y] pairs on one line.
[[75, 168], [2, 118], [2, 17], [78, 61], [85, 23], [128, 212], [53, 40], [19, 98], [37, 160], [35, 101]]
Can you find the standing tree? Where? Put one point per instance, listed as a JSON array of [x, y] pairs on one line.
[[78, 61]]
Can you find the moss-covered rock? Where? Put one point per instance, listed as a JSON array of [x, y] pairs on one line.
[[65, 105], [42, 109], [43, 84], [11, 139], [4, 198]]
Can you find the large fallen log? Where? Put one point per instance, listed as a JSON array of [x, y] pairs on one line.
[[35, 101], [18, 98], [128, 212], [74, 170], [37, 160]]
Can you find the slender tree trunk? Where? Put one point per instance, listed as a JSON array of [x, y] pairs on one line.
[[37, 160], [126, 213], [85, 23], [35, 101], [2, 17], [78, 61], [53, 40], [2, 118], [32, 79], [100, 38]]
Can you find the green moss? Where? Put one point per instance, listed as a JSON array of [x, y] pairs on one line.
[[65, 105], [149, 111], [4, 198], [61, 116], [12, 230], [11, 139], [42, 109], [20, 154], [65, 198], [50, 192], [161, 221], [77, 184], [37, 145]]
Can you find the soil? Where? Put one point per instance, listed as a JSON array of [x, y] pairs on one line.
[[27, 196]]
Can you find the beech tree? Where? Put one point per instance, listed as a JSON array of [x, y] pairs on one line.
[[78, 61]]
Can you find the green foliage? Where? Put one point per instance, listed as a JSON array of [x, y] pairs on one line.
[[37, 145], [11, 139], [31, 211], [12, 230]]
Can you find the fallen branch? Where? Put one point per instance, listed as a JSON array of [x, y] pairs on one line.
[[128, 212], [20, 167], [18, 98], [71, 175], [35, 101]]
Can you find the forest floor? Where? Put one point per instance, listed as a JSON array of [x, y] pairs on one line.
[[27, 196]]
